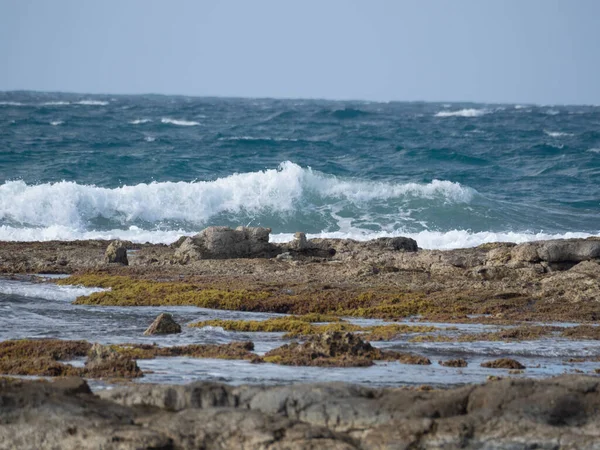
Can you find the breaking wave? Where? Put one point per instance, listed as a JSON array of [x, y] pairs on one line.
[[463, 113], [275, 191], [557, 134], [183, 123], [140, 121]]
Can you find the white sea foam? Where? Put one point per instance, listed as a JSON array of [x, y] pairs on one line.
[[557, 134], [463, 113], [11, 104], [183, 123], [594, 150], [552, 112], [275, 190], [56, 122], [56, 103], [92, 103], [425, 239], [441, 240], [149, 139], [45, 290], [253, 138], [140, 121]]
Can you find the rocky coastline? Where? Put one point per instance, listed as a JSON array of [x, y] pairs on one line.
[[526, 290]]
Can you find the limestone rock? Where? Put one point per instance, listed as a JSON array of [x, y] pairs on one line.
[[163, 324], [569, 250], [116, 253], [299, 243], [397, 243], [103, 361], [226, 243]]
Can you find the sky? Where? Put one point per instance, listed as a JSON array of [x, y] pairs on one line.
[[508, 51]]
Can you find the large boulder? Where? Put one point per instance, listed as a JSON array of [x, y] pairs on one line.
[[105, 362], [116, 253], [226, 243], [557, 251], [163, 324]]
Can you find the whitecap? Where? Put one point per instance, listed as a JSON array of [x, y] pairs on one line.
[[11, 104], [594, 150], [470, 112], [56, 122], [183, 123], [139, 121], [56, 103], [557, 134], [149, 139], [92, 103]]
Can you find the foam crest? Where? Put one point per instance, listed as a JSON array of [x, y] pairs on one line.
[[11, 104], [278, 191], [469, 112], [140, 121], [92, 103], [557, 134], [56, 103], [181, 123], [440, 240], [45, 290], [56, 122]]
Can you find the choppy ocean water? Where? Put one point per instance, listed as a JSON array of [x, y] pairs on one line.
[[150, 168]]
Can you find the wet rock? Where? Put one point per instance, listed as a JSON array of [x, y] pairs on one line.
[[163, 324], [226, 243], [454, 363], [105, 362], [299, 243], [396, 244], [116, 253], [503, 363]]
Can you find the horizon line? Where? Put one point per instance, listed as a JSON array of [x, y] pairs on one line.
[[238, 97]]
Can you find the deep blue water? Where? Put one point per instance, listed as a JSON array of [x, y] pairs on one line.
[[153, 167]]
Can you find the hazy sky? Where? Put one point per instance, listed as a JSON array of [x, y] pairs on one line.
[[542, 51]]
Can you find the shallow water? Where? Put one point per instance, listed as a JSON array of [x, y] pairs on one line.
[[44, 310]]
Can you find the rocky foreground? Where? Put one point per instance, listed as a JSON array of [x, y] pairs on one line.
[[507, 414], [316, 281]]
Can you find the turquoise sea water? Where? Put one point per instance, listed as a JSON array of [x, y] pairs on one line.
[[150, 168]]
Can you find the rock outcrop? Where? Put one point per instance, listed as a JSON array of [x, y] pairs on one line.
[[556, 413], [116, 253], [227, 243], [163, 324], [104, 361]]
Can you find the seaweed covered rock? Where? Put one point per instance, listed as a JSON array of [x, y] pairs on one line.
[[104, 361], [163, 324], [503, 363], [116, 253], [337, 349], [225, 243]]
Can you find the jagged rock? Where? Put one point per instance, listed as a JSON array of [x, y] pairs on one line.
[[103, 361], [225, 243], [116, 253], [503, 363], [397, 243], [299, 243], [163, 324]]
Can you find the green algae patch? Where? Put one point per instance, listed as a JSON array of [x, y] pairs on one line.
[[233, 350], [392, 331], [292, 325], [296, 326], [53, 349], [125, 291]]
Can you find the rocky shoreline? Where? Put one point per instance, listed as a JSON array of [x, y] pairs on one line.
[[506, 414], [525, 289]]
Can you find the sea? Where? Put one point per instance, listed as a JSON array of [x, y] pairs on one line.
[[150, 168]]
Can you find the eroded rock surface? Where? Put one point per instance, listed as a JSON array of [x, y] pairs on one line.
[[116, 253], [163, 324], [508, 414]]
